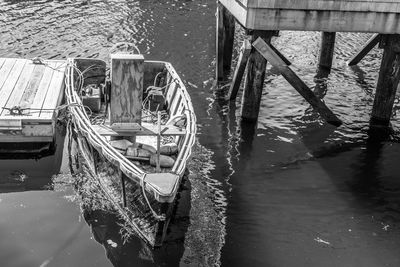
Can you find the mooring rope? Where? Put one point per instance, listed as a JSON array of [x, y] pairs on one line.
[[19, 111], [126, 45], [41, 61]]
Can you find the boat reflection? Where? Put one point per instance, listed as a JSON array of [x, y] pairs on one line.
[[107, 230]]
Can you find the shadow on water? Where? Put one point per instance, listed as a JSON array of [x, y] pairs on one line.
[[375, 178], [363, 166], [314, 194], [365, 181], [360, 78]]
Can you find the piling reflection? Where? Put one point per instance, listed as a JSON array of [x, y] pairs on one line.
[[367, 171], [247, 135], [360, 78], [321, 82]]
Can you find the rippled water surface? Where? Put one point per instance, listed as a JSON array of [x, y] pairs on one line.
[[289, 191]]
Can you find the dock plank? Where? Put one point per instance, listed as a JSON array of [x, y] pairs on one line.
[[11, 81], [19, 88], [55, 91], [41, 91], [6, 69], [33, 86]]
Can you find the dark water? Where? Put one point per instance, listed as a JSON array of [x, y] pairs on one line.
[[289, 191]]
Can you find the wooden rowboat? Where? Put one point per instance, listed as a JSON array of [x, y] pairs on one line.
[[142, 194]]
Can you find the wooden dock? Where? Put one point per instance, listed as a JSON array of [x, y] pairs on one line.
[[30, 92], [262, 21]]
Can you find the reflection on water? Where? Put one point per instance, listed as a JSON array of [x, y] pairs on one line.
[[24, 170], [106, 229]]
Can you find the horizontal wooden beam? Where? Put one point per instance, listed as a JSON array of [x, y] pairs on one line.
[[4, 138], [313, 20], [337, 5], [137, 130], [317, 15], [268, 53]]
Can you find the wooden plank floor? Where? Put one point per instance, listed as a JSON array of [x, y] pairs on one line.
[[37, 90]]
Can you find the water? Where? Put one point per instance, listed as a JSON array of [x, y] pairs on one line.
[[289, 191]]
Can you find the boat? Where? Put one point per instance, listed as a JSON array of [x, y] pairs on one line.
[[138, 166]]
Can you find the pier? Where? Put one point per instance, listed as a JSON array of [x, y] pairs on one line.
[[262, 21], [30, 94]]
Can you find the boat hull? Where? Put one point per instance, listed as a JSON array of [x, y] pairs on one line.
[[145, 201]]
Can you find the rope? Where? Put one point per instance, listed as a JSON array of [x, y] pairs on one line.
[[126, 45], [154, 90], [19, 111], [41, 61]]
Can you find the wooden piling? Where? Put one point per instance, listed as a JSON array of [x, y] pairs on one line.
[[126, 90], [254, 79], [371, 43], [241, 66], [266, 51], [388, 81], [123, 188], [225, 37], [327, 49]]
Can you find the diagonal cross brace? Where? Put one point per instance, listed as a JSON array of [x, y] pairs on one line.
[[371, 43], [244, 55], [268, 53], [239, 70]]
